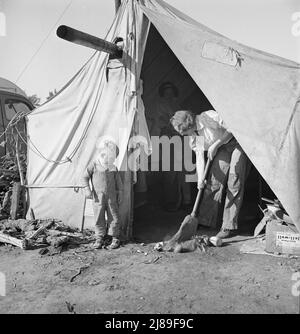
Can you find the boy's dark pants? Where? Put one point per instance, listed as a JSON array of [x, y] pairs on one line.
[[109, 205], [227, 173]]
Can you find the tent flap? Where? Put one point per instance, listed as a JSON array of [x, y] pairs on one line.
[[254, 92], [99, 102]]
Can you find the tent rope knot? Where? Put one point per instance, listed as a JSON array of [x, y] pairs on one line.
[[237, 55], [131, 36]]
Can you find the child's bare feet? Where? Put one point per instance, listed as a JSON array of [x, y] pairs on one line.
[[99, 243], [115, 243]]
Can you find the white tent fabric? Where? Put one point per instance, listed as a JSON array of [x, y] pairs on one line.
[[97, 102], [257, 95]]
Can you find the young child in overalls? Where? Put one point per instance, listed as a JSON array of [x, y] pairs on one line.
[[106, 193]]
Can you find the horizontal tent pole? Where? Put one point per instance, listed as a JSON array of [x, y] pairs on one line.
[[84, 39]]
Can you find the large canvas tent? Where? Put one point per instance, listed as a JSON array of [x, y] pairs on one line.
[[257, 94]]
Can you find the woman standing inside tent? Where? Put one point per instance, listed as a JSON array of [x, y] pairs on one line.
[[176, 191], [165, 107], [228, 169]]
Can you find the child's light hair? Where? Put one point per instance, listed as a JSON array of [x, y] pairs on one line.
[[183, 120], [107, 144]]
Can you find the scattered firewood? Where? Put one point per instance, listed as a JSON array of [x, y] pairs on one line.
[[62, 233], [40, 230], [7, 239], [10, 174], [58, 241], [42, 233]]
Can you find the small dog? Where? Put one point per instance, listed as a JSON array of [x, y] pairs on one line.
[[196, 242]]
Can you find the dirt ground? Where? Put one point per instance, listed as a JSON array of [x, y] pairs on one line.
[[137, 279]]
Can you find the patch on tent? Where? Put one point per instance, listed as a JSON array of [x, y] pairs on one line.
[[222, 54]]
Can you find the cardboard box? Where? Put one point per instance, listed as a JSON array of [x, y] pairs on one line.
[[282, 238]]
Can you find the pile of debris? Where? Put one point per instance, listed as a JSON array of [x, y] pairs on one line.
[[48, 234], [10, 185]]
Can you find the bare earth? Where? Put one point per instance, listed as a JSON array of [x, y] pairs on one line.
[[137, 279]]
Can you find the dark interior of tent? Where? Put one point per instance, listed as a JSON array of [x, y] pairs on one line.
[[152, 221]]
